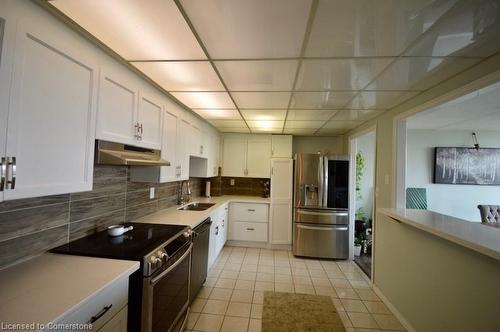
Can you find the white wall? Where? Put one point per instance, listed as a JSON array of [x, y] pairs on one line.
[[313, 144], [366, 145], [456, 200]]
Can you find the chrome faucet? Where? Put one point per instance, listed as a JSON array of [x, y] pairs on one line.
[[183, 198]]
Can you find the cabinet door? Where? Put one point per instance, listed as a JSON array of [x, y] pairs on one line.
[[183, 149], [116, 116], [149, 119], [51, 123], [281, 201], [259, 156], [215, 153], [195, 139], [212, 243], [234, 156], [118, 323], [169, 147], [224, 225], [281, 146]]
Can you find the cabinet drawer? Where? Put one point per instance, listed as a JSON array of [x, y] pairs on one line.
[[248, 231], [114, 295], [253, 212]]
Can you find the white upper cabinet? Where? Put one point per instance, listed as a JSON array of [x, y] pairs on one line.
[[259, 156], [117, 109], [149, 118], [195, 139], [51, 114], [183, 149], [246, 155], [127, 115], [169, 148], [206, 164], [234, 158], [281, 146]]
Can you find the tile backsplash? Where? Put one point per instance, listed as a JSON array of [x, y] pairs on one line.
[[221, 185], [31, 226]]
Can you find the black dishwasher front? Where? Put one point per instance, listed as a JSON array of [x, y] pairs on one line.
[[199, 257]]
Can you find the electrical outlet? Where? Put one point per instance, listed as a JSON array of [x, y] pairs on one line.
[[231, 182], [151, 192]]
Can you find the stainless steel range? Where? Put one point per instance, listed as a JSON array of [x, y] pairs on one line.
[[159, 290]]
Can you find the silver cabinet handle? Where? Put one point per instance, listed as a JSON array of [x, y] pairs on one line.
[[3, 170], [250, 229], [251, 210], [11, 175], [100, 313], [140, 129]]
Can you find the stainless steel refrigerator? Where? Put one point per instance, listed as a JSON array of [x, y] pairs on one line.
[[321, 206]]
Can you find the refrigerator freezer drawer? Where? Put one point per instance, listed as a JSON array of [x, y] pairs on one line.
[[321, 241], [327, 217]]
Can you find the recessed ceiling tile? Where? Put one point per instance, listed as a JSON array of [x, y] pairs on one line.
[[342, 124], [379, 100], [182, 75], [356, 115], [234, 130], [419, 73], [371, 28], [257, 130], [218, 114], [299, 132], [261, 100], [136, 31], [205, 99], [265, 124], [320, 100], [275, 115], [468, 29], [331, 132], [304, 124], [339, 74], [227, 123], [234, 29], [266, 75], [297, 115]]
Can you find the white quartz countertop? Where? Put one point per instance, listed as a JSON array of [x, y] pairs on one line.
[[473, 235], [173, 216], [45, 288]]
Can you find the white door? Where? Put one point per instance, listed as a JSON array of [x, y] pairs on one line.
[[281, 201], [51, 124], [149, 119], [183, 149], [116, 116], [259, 156], [281, 146], [169, 147], [234, 156]]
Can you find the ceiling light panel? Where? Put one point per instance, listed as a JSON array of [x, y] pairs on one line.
[[320, 100], [371, 28], [182, 75], [303, 124], [339, 74], [273, 115], [419, 73], [470, 28], [258, 75], [265, 124], [135, 30], [261, 100], [234, 29], [228, 123], [218, 114], [380, 100], [211, 100], [297, 115]]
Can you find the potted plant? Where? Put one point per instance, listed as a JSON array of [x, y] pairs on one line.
[[357, 246]]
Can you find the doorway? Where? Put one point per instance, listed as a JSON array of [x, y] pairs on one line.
[[363, 156]]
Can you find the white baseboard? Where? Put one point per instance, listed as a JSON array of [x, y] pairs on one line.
[[393, 309]]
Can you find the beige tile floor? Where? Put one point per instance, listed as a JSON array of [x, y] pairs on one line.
[[232, 297]]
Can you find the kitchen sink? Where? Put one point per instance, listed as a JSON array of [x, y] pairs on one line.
[[196, 206]]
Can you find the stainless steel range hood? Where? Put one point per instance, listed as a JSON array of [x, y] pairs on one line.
[[108, 153]]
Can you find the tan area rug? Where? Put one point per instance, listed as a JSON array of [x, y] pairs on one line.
[[299, 312]]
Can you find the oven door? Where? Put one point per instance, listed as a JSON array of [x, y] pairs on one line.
[[166, 296]]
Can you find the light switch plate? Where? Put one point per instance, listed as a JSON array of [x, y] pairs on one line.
[[151, 192], [231, 182]]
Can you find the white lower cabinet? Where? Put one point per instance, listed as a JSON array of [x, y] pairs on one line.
[[248, 231], [218, 233], [107, 310], [248, 222]]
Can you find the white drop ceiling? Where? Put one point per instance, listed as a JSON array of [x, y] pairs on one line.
[[301, 67]]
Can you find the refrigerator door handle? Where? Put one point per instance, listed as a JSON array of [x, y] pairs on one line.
[[323, 228], [324, 203], [321, 183], [340, 214]]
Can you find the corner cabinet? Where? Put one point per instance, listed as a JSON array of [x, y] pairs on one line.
[[49, 98], [246, 156], [125, 114]]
